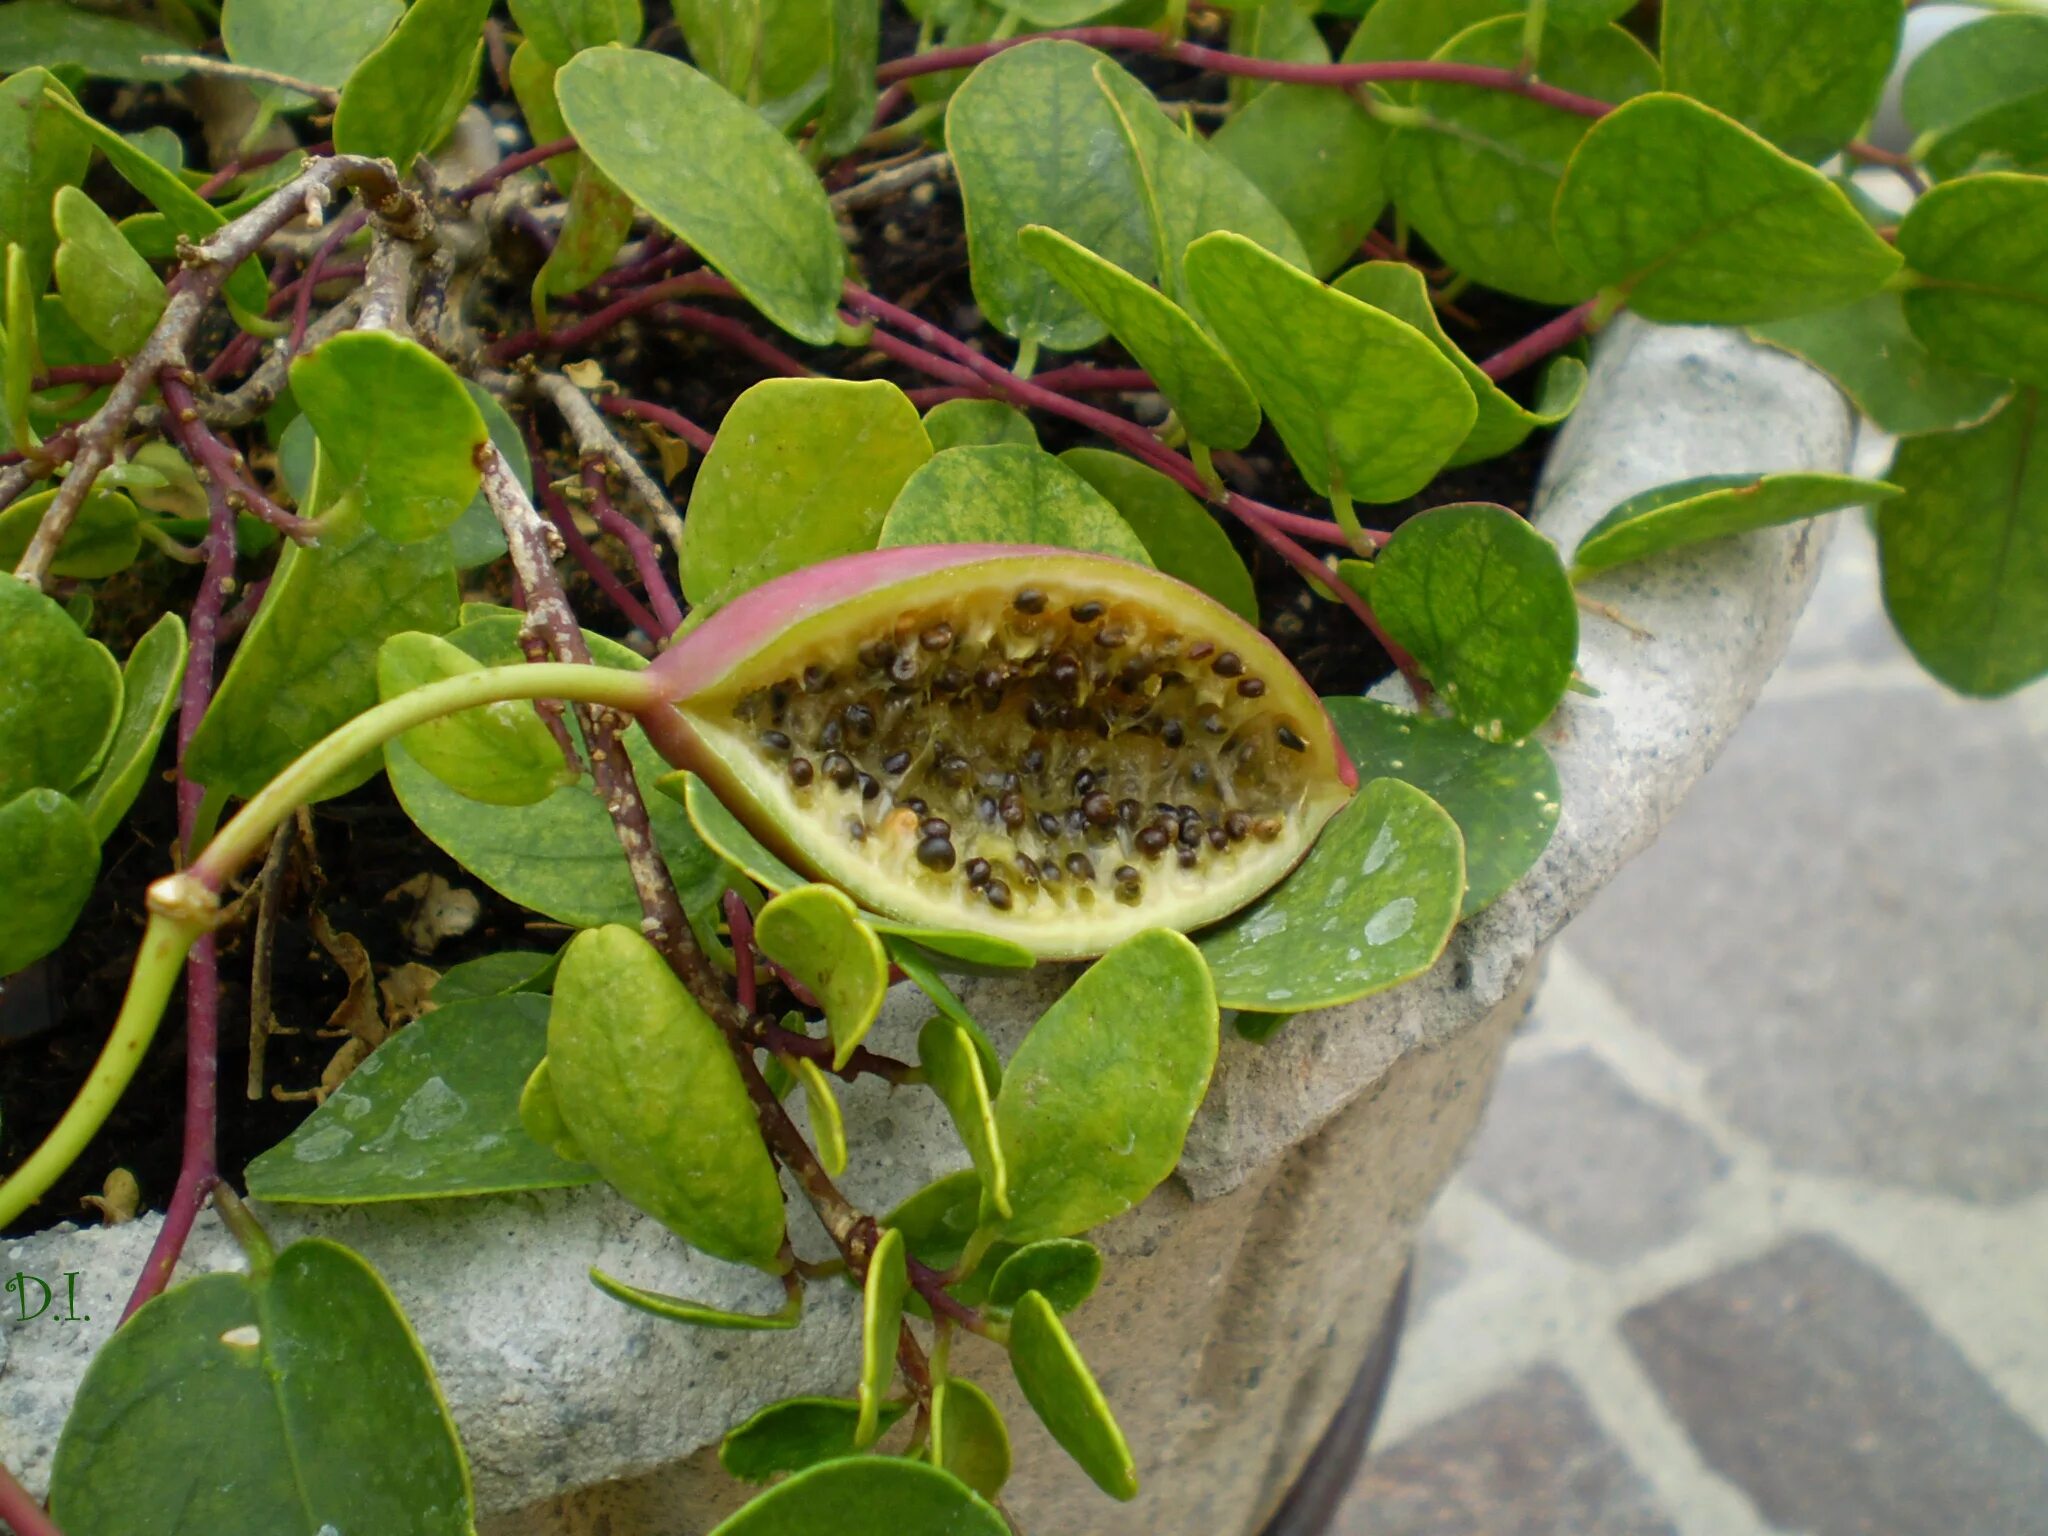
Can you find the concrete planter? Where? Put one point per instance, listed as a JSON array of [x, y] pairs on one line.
[[1239, 1300]]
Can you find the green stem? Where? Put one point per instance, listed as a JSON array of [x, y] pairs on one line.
[[1205, 466], [1360, 541], [247, 1231], [1027, 357], [1532, 35]]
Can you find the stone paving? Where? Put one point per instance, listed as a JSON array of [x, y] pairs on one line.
[[1754, 1237]]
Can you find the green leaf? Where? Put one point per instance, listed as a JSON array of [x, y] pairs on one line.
[[952, 1065], [1006, 494], [1369, 908], [1979, 253], [18, 303], [291, 1399], [815, 933], [1097, 1101], [1805, 84], [1177, 531], [1064, 1270], [1503, 422], [796, 1433], [399, 430], [1503, 795], [599, 219], [1694, 219], [969, 1438], [1714, 507], [533, 86], [977, 423], [405, 95], [432, 1113], [1875, 359], [104, 538], [1188, 191], [888, 1282], [721, 831], [561, 29], [113, 294], [1286, 32], [41, 150], [938, 1220], [867, 1496], [828, 1125], [848, 110], [1057, 1384], [680, 1309], [308, 662], [1982, 90], [1035, 141], [54, 34], [322, 44], [1316, 156], [149, 693], [507, 971], [60, 695], [1211, 396], [775, 55], [918, 967], [651, 1093], [1478, 178], [1964, 552], [715, 174], [540, 1116], [802, 471], [49, 859], [1482, 602], [560, 857], [498, 753], [1417, 29], [1366, 405]]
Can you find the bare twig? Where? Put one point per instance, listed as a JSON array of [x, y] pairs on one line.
[[884, 185], [595, 439], [206, 64]]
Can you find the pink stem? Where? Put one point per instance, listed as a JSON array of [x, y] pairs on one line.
[[512, 165], [741, 922], [605, 578], [21, 1512], [646, 558], [565, 337], [725, 329], [1540, 343], [218, 464], [302, 303], [673, 422], [94, 374]]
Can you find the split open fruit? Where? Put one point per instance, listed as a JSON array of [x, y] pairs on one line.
[[1054, 748]]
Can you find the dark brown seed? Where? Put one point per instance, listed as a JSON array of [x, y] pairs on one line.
[[896, 762], [977, 873], [840, 770], [1040, 713], [816, 679], [950, 680], [1099, 809], [998, 895], [860, 723], [904, 668], [1084, 781], [778, 703], [1266, 828], [1066, 672], [1077, 819], [1110, 639], [935, 826], [1130, 885], [1128, 812], [1201, 649], [938, 637], [831, 735], [1237, 825], [954, 770], [1027, 869], [1173, 733], [1251, 688], [800, 771], [935, 853], [1152, 841], [1048, 824], [1286, 737], [1033, 761], [876, 655], [1132, 678], [1213, 724], [1013, 810], [1086, 613], [1217, 838], [870, 786], [990, 679], [856, 829], [1189, 857], [917, 805], [1049, 873], [985, 808], [1229, 664], [1030, 600], [1080, 866], [1190, 832], [775, 741]]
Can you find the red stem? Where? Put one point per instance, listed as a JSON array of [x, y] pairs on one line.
[[563, 338], [673, 422], [646, 558], [19, 1509], [215, 461], [512, 165], [724, 328], [302, 303], [741, 924], [256, 162], [94, 374], [605, 578], [1547, 338]]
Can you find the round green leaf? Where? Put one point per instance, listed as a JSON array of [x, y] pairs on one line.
[[104, 538], [1482, 602], [1714, 507], [321, 43], [888, 1282], [1478, 177], [816, 934], [650, 1091], [1364, 403], [433, 1112], [293, 1399], [561, 29], [1057, 1383], [1982, 90], [540, 1115], [1035, 141], [952, 1066], [716, 174], [1097, 1101], [1696, 220], [796, 1433], [406, 93], [54, 34], [1064, 1270], [1205, 387], [938, 1220], [41, 150], [1503, 421], [1369, 908], [149, 693], [977, 423], [802, 470], [509, 970], [1006, 494], [1316, 156], [498, 753], [969, 1438], [398, 431], [60, 695], [49, 859], [1964, 552], [110, 291], [868, 1496], [1178, 533], [1979, 253]]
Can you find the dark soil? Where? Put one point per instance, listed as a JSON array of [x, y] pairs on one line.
[[54, 1017]]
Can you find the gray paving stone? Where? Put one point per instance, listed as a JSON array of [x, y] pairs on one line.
[[1844, 926], [1807, 1379], [1529, 1460], [1568, 1149]]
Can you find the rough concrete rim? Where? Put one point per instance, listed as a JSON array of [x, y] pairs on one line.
[[555, 1387]]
